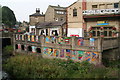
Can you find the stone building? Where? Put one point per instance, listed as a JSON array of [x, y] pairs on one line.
[[54, 28], [94, 18], [55, 13], [36, 17]]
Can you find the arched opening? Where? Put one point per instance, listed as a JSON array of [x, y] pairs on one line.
[[22, 47], [38, 50], [29, 48], [16, 46]]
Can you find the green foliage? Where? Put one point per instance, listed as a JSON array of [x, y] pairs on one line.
[[29, 66], [8, 50], [8, 17]]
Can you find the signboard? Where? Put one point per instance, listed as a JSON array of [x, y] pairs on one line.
[[103, 24], [101, 11]]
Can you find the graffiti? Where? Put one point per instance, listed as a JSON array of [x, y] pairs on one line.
[[80, 41], [92, 41], [62, 53], [28, 37], [80, 55], [33, 49], [74, 55], [67, 53], [47, 39], [33, 39]]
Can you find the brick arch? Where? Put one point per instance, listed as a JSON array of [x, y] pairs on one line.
[[22, 47], [38, 50], [16, 46]]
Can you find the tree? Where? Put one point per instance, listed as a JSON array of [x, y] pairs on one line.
[[8, 17]]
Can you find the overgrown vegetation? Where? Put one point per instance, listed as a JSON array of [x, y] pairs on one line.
[[7, 51], [29, 66]]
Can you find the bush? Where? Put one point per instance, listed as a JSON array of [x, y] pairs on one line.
[[8, 51], [29, 66]]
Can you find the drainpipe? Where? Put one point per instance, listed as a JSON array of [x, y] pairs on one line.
[[84, 8], [66, 21]]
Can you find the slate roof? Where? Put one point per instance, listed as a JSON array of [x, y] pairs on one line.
[[58, 7], [37, 14], [50, 24]]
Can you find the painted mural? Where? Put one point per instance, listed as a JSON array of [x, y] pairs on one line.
[[47, 39], [62, 53], [25, 47], [80, 41], [28, 37], [34, 49], [80, 55], [55, 52], [33, 39], [17, 37], [19, 46], [68, 53], [48, 51], [92, 41], [74, 55]]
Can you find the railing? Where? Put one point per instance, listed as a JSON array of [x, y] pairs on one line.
[[75, 43]]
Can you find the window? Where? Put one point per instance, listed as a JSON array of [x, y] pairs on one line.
[[94, 33], [98, 33], [110, 33], [105, 33], [54, 32], [116, 5], [94, 6], [74, 12]]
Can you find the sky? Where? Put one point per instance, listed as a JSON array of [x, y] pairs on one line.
[[23, 8]]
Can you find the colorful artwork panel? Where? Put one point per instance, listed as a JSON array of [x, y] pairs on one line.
[[33, 39], [19, 46], [80, 54], [23, 37], [17, 37], [87, 56], [28, 37], [92, 41], [67, 53], [80, 41], [33, 49], [36, 38], [62, 53], [47, 39], [74, 55]]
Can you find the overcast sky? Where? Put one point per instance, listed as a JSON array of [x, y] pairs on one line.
[[24, 8]]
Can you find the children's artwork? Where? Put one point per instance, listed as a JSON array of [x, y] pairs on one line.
[[48, 51], [23, 37], [87, 56], [56, 52], [95, 56], [47, 39], [74, 55], [62, 53], [28, 37], [80, 55], [17, 37], [33, 39], [53, 39], [33, 49], [92, 41], [80, 41], [36, 38], [60, 40], [67, 53], [67, 40]]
